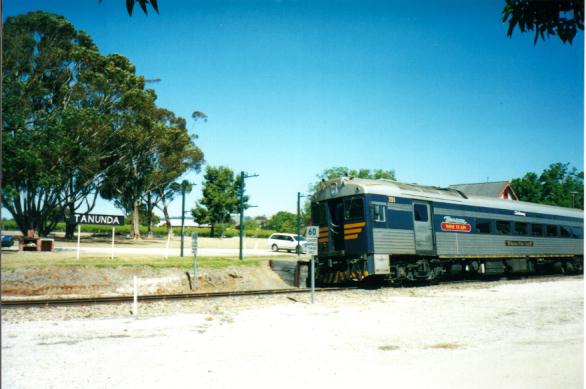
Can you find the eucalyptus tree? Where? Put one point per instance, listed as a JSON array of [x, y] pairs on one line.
[[175, 154], [54, 122]]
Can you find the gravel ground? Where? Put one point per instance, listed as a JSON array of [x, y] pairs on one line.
[[521, 334]]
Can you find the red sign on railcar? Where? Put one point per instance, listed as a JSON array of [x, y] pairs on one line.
[[453, 224]]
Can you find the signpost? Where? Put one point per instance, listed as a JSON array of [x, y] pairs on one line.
[[194, 251], [87, 218], [311, 236]]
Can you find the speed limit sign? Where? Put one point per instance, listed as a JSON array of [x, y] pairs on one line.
[[311, 234]]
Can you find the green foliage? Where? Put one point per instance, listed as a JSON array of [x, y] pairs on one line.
[[337, 172], [560, 17], [220, 190], [283, 222], [557, 185], [77, 123], [51, 118]]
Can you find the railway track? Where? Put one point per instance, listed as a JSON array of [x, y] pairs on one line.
[[23, 303]]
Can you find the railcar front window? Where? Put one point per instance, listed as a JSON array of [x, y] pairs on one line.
[[503, 227], [353, 208], [319, 210]]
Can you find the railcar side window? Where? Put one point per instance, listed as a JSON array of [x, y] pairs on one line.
[[420, 212], [577, 232], [537, 229], [520, 228], [353, 208], [551, 230], [483, 226], [565, 232], [379, 212], [503, 227]]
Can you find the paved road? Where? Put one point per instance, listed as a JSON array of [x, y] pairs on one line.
[[205, 252]]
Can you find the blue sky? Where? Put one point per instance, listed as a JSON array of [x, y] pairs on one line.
[[433, 90]]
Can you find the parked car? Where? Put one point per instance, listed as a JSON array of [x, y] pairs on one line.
[[289, 242], [7, 241]]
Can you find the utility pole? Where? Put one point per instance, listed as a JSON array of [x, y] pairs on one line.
[[299, 196], [243, 176], [185, 186]]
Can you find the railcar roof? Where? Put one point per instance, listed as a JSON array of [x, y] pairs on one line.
[[347, 186]]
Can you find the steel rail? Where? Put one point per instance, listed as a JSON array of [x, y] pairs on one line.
[[20, 303]]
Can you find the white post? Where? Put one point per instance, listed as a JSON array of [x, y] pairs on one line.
[[167, 247], [135, 304], [78, 238], [113, 233]]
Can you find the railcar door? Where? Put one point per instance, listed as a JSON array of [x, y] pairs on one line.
[[422, 228]]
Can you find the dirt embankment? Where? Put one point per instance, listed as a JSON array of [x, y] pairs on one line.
[[92, 281]]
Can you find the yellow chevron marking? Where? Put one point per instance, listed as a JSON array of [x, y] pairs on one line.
[[354, 225], [353, 231], [323, 240], [323, 229], [350, 237]]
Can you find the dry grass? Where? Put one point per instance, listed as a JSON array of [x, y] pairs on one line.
[[388, 347], [445, 346]]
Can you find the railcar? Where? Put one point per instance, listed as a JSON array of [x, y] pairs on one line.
[[396, 231]]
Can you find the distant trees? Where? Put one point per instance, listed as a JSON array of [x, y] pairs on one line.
[[283, 222], [340, 171], [546, 17], [557, 185], [77, 123], [220, 191]]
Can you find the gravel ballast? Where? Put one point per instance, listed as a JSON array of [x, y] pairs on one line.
[[526, 334]]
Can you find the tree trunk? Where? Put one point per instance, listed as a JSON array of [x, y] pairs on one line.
[[167, 220], [70, 227], [212, 230], [149, 217], [135, 221]]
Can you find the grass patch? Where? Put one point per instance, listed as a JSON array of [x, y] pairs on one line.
[[16, 261], [445, 346]]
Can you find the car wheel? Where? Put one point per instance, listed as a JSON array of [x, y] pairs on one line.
[[274, 247]]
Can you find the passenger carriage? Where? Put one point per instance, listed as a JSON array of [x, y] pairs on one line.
[[382, 228]]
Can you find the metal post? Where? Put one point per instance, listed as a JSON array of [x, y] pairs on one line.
[[113, 233], [312, 279], [78, 238], [182, 215], [298, 248], [135, 299], [241, 212]]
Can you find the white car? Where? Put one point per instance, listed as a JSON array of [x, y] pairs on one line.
[[289, 242]]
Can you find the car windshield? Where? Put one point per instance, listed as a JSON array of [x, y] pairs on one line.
[[300, 238]]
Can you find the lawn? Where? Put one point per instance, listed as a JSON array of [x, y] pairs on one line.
[[35, 260]]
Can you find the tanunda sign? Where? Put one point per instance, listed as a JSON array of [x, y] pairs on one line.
[[107, 220]]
